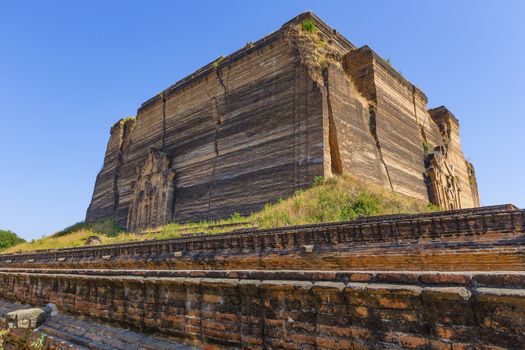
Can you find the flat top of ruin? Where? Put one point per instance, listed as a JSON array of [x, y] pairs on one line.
[[323, 28]]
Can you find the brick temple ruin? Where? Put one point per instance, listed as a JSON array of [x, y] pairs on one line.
[[263, 122], [447, 280]]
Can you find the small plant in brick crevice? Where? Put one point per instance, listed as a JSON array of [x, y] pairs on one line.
[[23, 341], [217, 61], [3, 334], [308, 26], [39, 343], [471, 180], [426, 147]]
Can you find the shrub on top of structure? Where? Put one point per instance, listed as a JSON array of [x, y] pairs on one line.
[[309, 26], [217, 61]]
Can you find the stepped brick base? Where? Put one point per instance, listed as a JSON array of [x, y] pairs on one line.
[[292, 309], [432, 281]]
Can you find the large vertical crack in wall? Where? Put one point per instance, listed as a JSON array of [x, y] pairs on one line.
[[424, 141], [414, 105], [360, 66], [163, 121], [373, 131], [118, 167], [335, 153], [125, 131], [217, 121], [427, 152], [163, 149]]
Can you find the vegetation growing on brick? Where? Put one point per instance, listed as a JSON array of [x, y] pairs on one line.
[[309, 26], [341, 198], [24, 339], [217, 61]]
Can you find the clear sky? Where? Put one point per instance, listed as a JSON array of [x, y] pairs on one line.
[[70, 69]]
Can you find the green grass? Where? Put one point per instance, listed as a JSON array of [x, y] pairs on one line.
[[308, 26], [107, 227], [341, 198], [471, 180], [70, 240], [426, 148], [217, 61]]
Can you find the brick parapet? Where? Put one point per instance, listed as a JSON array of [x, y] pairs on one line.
[[469, 231]]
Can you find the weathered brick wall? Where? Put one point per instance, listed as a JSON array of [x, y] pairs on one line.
[[106, 193], [354, 140], [402, 126], [488, 238], [239, 132], [293, 309], [449, 126], [263, 122]]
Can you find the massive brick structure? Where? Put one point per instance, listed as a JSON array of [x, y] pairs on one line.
[[262, 122]]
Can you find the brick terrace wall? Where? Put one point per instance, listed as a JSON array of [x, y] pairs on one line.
[[487, 238], [292, 309]]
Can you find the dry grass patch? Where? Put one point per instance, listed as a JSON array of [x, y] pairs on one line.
[[71, 240]]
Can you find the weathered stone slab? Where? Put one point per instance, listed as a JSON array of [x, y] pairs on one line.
[[30, 318]]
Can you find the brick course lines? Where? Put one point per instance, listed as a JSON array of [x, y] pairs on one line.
[[486, 238], [293, 309]]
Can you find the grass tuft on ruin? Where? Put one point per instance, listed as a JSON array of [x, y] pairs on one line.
[[309, 26]]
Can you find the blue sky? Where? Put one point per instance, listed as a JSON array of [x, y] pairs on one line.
[[70, 69]]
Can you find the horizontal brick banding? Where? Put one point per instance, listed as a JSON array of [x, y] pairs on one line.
[[483, 239], [291, 309]]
